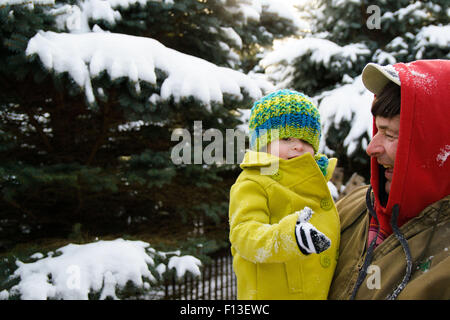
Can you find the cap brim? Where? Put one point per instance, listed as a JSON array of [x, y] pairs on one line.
[[375, 77]]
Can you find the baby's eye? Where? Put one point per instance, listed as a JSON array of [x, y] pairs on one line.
[[286, 139]]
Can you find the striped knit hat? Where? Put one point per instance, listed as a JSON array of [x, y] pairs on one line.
[[289, 112]]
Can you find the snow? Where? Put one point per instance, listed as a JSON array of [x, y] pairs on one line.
[[278, 64], [262, 254], [333, 190], [4, 295], [75, 17], [87, 55], [441, 158], [102, 266], [438, 36], [285, 10], [253, 10], [339, 3], [412, 9], [244, 117], [349, 102], [29, 3], [37, 255], [383, 57], [232, 35], [395, 49], [184, 264], [321, 51]]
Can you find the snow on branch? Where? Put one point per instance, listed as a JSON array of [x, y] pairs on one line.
[[185, 264], [28, 3], [279, 64], [86, 55], [99, 267], [321, 51], [349, 102], [255, 10], [438, 36]]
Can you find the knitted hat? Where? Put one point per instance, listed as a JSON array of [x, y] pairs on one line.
[[289, 112]]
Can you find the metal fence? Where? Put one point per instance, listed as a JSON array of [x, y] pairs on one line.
[[217, 282]]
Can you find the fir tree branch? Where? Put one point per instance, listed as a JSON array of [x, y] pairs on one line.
[[96, 147], [79, 199], [17, 206], [104, 132], [38, 128]]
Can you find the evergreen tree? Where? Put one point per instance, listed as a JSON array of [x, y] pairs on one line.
[[94, 154], [345, 36]]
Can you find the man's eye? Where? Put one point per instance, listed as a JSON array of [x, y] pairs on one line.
[[390, 137]]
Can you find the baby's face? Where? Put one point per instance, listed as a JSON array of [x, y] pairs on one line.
[[288, 148]]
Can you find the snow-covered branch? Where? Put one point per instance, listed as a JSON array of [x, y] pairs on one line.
[[104, 267], [349, 102], [85, 56]]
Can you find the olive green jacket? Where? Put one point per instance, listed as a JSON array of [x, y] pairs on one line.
[[428, 237]]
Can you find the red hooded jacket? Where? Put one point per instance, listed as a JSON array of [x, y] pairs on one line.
[[422, 163]]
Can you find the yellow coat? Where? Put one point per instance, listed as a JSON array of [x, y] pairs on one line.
[[266, 259]]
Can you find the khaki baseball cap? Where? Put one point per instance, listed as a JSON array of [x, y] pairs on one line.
[[375, 76]]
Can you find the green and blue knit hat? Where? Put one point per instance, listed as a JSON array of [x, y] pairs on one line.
[[289, 112]]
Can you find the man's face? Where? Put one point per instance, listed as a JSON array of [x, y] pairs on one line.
[[289, 148], [383, 145]]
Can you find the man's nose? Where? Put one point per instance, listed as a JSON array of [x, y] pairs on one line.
[[375, 148]]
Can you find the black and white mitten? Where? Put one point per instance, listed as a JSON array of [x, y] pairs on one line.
[[309, 239]]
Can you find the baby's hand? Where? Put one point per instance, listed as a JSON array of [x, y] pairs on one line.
[[304, 215], [309, 239]]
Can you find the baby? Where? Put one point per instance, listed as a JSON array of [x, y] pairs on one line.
[[284, 227]]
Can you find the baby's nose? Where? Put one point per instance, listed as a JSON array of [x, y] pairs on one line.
[[299, 145]]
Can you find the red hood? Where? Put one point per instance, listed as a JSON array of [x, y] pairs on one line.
[[422, 162]]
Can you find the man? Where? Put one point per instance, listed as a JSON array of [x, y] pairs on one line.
[[395, 234]]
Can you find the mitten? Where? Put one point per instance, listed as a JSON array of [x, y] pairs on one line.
[[309, 239]]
